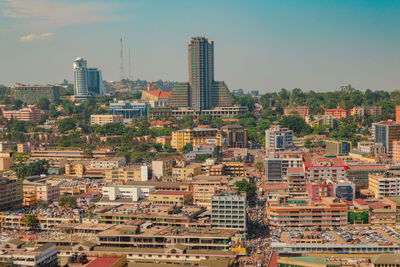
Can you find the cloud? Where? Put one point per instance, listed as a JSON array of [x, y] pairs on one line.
[[34, 37], [46, 15]]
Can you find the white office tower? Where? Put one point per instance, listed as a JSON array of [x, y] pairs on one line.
[[278, 139], [87, 81]]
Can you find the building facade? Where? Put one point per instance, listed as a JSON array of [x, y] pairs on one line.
[[129, 110], [302, 111], [101, 119], [386, 132], [30, 94], [87, 81], [24, 114], [10, 193], [278, 138], [228, 211], [338, 147]]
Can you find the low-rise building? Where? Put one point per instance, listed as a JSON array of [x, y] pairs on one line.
[[296, 179], [6, 163], [301, 111], [236, 136], [371, 148], [107, 163], [48, 190], [384, 184], [338, 147], [195, 137], [114, 195], [186, 171], [102, 119], [41, 255], [24, 114], [164, 140], [337, 113], [163, 166], [175, 198]]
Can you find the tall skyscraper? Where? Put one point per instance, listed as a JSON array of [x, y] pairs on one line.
[[87, 81], [201, 72], [201, 92]]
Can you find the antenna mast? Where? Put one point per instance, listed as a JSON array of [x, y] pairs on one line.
[[121, 66], [129, 76]]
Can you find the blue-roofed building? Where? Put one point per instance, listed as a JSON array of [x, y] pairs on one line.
[[129, 110]]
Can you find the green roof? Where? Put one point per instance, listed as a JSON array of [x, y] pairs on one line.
[[318, 260]]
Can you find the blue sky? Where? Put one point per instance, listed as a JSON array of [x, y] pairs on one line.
[[264, 45]]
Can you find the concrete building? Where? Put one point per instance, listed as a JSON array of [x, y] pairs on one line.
[[10, 193], [371, 148], [324, 168], [101, 119], [319, 120], [301, 111], [87, 81], [236, 136], [171, 198], [31, 94], [338, 147], [386, 132], [107, 163], [6, 145], [374, 111], [278, 138], [337, 113], [196, 136], [129, 110], [126, 174], [384, 184], [202, 92], [24, 148], [48, 191], [396, 151], [216, 112], [397, 113], [6, 163], [328, 212], [276, 169], [163, 166], [186, 171], [40, 255], [130, 193], [228, 211], [296, 179], [24, 114], [158, 97], [204, 187]]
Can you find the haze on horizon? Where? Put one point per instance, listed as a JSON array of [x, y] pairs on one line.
[[259, 45]]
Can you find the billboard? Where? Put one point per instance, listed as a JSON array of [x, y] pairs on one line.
[[238, 245]]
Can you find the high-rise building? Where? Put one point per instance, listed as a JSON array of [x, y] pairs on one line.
[[201, 72], [386, 132], [228, 211], [202, 92], [87, 81]]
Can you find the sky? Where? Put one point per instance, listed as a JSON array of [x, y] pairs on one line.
[[261, 45]]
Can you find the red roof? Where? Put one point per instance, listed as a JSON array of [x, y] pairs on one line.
[[360, 201], [102, 262], [159, 93], [314, 162]]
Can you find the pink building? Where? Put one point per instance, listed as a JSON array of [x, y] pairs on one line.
[[86, 198], [337, 113], [318, 189], [325, 168], [48, 191], [24, 114]]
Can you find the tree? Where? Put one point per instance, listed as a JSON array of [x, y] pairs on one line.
[[259, 166], [245, 186], [157, 146], [202, 157], [297, 124], [66, 125], [307, 143], [187, 147], [30, 220], [16, 104], [44, 103], [67, 201]]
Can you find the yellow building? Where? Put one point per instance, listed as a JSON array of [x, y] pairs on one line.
[[383, 217], [102, 119], [186, 171], [204, 187], [196, 136], [6, 163], [125, 174], [384, 184], [28, 194], [178, 198]]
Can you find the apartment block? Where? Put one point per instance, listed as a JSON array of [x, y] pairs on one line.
[[163, 166], [196, 136], [105, 118], [236, 136], [10, 193], [171, 198], [278, 138], [6, 163], [337, 113], [123, 175], [338, 147], [384, 184], [204, 187], [107, 163], [48, 190], [301, 111], [24, 114], [6, 145], [228, 211], [374, 111], [184, 171], [276, 169], [31, 94], [296, 179], [328, 212], [323, 168], [24, 148], [372, 148]]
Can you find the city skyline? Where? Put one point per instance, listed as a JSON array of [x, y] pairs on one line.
[[265, 46]]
